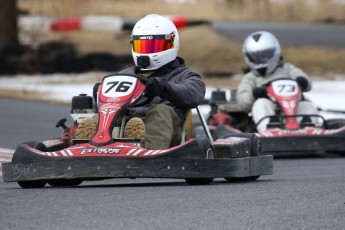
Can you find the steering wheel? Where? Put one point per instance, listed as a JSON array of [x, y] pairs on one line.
[[145, 99]]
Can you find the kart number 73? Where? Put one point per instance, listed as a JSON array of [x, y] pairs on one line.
[[285, 88]]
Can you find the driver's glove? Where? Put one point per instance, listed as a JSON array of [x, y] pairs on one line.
[[154, 86], [302, 82], [260, 92]]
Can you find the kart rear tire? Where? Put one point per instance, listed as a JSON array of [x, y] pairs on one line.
[[241, 179], [65, 182], [199, 181], [36, 145], [32, 184]]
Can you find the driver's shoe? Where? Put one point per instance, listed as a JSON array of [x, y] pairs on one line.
[[135, 128], [86, 129]]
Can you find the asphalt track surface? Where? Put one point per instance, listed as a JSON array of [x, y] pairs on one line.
[[289, 34], [27, 121], [302, 193]]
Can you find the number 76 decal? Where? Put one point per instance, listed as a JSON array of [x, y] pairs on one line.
[[122, 87]]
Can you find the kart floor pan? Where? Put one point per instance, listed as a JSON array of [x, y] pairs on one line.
[[105, 167]]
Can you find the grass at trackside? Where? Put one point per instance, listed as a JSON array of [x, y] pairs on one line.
[[263, 10], [203, 49]]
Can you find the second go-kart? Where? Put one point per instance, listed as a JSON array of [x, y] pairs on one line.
[[287, 133], [70, 160]]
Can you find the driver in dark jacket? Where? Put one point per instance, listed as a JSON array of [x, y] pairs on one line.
[[174, 87]]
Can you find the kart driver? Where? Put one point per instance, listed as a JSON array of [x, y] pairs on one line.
[[263, 58], [174, 87]]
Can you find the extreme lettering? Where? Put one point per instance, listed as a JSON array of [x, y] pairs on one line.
[[101, 151]]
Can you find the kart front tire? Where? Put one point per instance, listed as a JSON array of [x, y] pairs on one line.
[[199, 181], [32, 184], [64, 182], [241, 179]]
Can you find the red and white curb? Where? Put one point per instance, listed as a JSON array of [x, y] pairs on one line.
[[107, 23], [5, 156]]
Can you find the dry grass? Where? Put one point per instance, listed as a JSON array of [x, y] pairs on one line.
[[299, 11], [23, 95], [203, 49]]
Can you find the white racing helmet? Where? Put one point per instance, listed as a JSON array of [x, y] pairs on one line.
[[155, 42], [262, 52]]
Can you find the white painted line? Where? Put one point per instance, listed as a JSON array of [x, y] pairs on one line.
[[6, 151]]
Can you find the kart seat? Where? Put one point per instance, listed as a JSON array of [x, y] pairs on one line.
[[187, 127]]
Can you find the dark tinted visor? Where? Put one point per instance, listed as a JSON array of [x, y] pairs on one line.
[[260, 57]]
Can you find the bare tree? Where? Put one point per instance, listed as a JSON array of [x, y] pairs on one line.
[[8, 22]]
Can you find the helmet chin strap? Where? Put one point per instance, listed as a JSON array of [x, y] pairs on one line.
[[143, 62], [262, 71]]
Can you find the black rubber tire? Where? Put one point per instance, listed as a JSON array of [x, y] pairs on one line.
[[335, 123], [65, 182], [241, 179], [199, 181], [32, 184], [36, 145], [209, 151]]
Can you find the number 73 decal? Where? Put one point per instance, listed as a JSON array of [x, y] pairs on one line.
[[285, 87]]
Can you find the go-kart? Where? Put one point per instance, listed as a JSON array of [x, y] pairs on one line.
[[287, 133], [69, 160]]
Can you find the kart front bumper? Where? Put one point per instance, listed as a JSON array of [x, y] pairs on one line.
[[104, 168], [291, 145]]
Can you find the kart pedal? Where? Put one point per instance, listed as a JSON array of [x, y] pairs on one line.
[[135, 128], [86, 129]]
